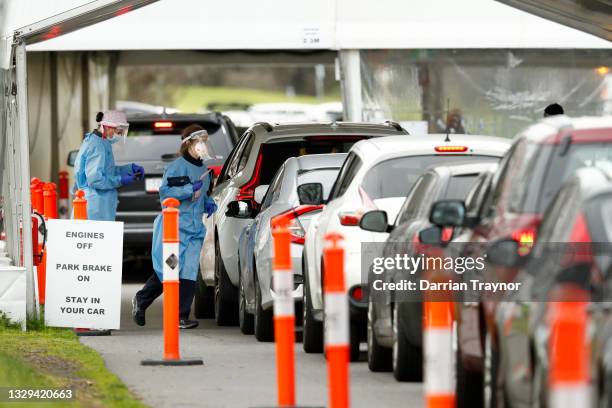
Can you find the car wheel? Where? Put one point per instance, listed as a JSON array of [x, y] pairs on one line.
[[226, 310], [312, 332], [379, 357], [204, 300], [407, 359], [245, 319], [264, 327], [491, 361], [469, 385]]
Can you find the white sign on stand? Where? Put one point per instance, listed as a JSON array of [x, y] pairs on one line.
[[84, 267]]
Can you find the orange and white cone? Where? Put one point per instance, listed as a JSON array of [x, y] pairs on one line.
[[569, 355], [337, 343], [171, 284], [439, 357], [284, 312]]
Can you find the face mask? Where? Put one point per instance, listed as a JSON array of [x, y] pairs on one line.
[[202, 150], [113, 140]]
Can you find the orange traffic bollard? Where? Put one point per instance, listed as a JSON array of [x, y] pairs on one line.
[[37, 195], [438, 350], [50, 212], [79, 204], [171, 288], [284, 313], [336, 323], [64, 202], [80, 213], [569, 355], [50, 200]]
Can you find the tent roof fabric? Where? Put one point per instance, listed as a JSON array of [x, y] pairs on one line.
[[323, 25]]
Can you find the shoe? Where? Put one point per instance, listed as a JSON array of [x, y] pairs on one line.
[[138, 314], [188, 324]]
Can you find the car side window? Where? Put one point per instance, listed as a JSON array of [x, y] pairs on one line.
[[499, 181], [341, 174], [410, 208], [274, 189], [351, 172], [229, 169], [246, 152]]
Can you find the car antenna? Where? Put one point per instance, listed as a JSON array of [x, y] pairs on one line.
[[447, 139]]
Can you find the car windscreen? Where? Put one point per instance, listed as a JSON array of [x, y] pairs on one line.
[[275, 153], [459, 186], [145, 143], [563, 166], [326, 176], [395, 177]]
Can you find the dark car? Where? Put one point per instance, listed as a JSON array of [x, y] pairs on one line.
[[153, 142], [572, 255], [394, 326], [540, 160]]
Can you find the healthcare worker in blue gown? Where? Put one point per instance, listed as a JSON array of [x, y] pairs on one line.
[[95, 171], [187, 180]]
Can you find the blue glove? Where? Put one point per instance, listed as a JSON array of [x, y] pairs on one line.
[[127, 179], [197, 185], [209, 208], [138, 171]]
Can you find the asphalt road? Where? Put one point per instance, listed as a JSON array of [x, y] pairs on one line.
[[238, 371]]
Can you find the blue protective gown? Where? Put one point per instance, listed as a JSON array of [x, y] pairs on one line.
[[191, 227], [95, 173]]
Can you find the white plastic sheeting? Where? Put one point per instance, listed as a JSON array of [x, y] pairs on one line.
[[496, 92]]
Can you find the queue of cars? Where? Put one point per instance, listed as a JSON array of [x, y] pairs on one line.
[[467, 195]]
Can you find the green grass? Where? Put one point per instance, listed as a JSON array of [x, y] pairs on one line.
[[193, 99], [50, 357]]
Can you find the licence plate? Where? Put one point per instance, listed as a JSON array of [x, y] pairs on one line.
[[152, 185]]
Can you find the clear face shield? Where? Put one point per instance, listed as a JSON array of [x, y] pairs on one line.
[[202, 146], [116, 133]]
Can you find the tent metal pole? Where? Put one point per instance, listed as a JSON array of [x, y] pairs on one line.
[[23, 175], [350, 77]]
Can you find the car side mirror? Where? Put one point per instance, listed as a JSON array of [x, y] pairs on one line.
[[448, 213], [506, 252], [375, 221], [72, 158], [239, 209], [310, 194], [260, 192]]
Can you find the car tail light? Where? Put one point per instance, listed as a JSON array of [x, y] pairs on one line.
[[216, 170], [357, 294], [446, 234], [350, 218], [163, 125], [525, 237], [247, 191], [450, 149], [298, 234], [580, 231]]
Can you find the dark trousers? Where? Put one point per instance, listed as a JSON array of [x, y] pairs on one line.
[[153, 288]]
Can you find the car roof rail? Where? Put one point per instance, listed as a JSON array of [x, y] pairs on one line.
[[265, 125], [395, 125]]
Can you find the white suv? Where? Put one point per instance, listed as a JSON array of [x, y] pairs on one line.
[[377, 174], [254, 160]]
